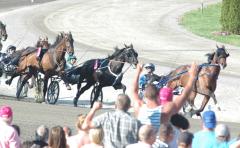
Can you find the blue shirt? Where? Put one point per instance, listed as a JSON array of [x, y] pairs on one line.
[[220, 144], [204, 139]]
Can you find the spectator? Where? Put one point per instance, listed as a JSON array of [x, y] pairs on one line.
[[17, 128], [165, 137], [82, 137], [27, 144], [206, 137], [41, 137], [180, 124], [8, 135], [96, 137], [235, 142], [57, 138], [67, 131], [185, 140], [165, 95], [222, 134], [119, 127], [147, 136], [151, 113]]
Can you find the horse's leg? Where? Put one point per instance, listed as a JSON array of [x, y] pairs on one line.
[[215, 101], [9, 81], [0, 45], [45, 82], [191, 99], [96, 95], [120, 86], [32, 81], [75, 100], [82, 90], [204, 103], [25, 79]]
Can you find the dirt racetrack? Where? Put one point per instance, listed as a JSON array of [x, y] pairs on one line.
[[152, 27]]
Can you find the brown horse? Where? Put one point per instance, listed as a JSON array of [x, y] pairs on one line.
[[52, 62], [207, 80], [3, 34]]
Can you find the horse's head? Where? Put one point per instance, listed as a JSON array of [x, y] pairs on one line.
[[219, 57], [43, 43], [129, 55], [68, 42], [3, 32]]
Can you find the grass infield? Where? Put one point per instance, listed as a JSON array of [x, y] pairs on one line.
[[206, 23]]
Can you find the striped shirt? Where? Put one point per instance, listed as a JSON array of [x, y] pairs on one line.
[[150, 116]]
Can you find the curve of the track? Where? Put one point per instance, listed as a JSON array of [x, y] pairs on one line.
[[152, 27]]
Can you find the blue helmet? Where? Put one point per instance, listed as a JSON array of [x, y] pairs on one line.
[[150, 65]]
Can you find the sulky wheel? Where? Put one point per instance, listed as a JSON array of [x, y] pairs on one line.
[[53, 92], [24, 89], [39, 90], [93, 93]]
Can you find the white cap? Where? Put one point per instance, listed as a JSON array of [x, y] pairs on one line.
[[221, 130]]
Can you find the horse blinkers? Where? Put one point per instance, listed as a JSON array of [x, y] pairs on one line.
[[132, 55], [222, 59], [69, 44]]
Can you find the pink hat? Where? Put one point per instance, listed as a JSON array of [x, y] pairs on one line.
[[6, 111], [165, 95]]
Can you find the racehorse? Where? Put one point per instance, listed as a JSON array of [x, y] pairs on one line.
[[9, 60], [105, 72], [206, 81], [52, 62], [3, 34]]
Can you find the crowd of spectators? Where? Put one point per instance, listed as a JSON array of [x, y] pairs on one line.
[[155, 123]]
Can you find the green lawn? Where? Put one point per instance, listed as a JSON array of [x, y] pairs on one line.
[[204, 24]]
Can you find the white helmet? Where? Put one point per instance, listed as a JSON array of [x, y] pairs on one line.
[[150, 65]]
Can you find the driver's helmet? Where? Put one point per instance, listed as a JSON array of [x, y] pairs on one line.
[[149, 66], [11, 48]]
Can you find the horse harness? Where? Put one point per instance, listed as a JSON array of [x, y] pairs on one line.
[[105, 63], [169, 78]]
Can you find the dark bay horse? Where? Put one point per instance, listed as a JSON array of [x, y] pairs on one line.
[[3, 34], [52, 62], [105, 72], [207, 80]]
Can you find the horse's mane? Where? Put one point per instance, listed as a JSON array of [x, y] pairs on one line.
[[57, 40], [116, 53], [210, 57], [1, 25]]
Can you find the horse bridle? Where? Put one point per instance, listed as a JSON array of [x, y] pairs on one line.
[[112, 73], [68, 44]]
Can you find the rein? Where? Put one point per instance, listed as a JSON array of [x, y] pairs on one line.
[[108, 66], [112, 73], [185, 71]]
